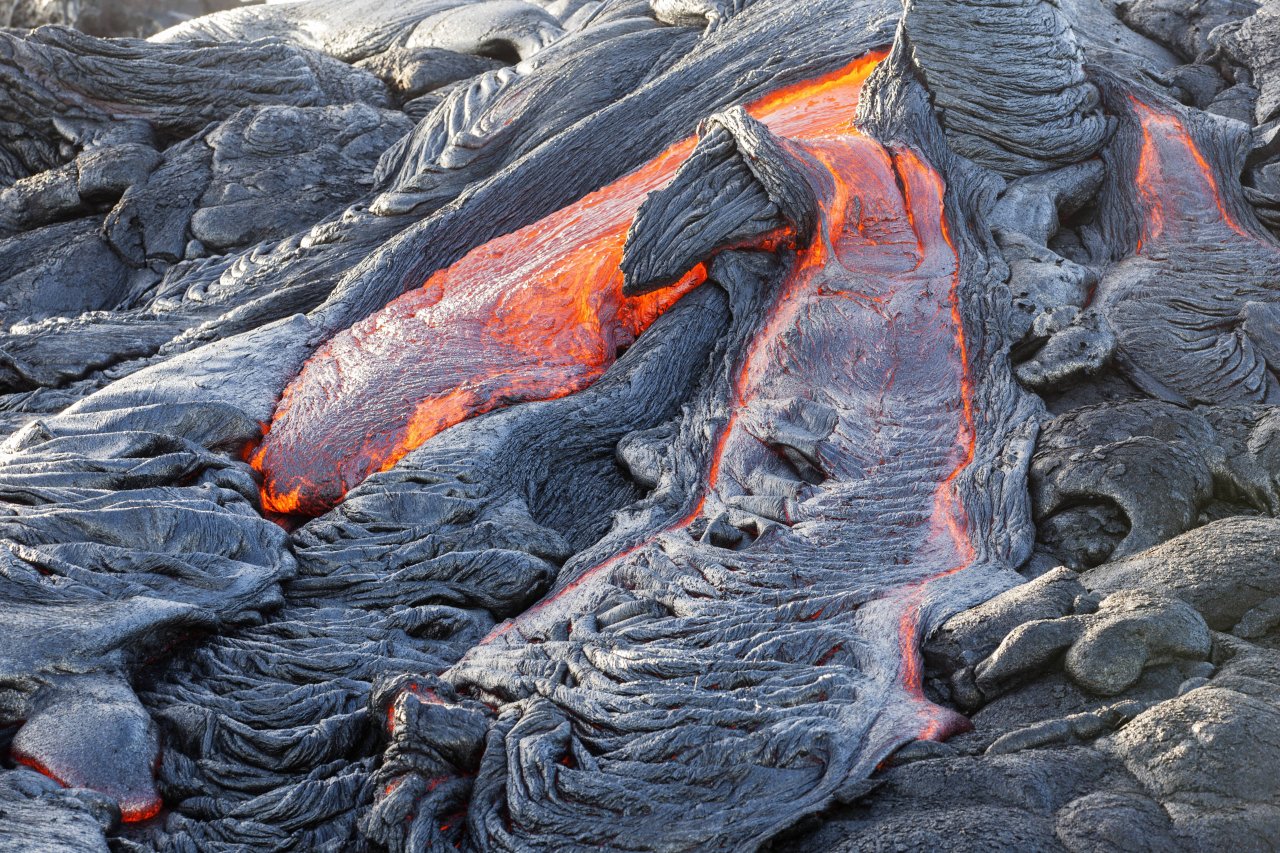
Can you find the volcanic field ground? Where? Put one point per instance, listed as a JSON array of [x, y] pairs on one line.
[[640, 425]]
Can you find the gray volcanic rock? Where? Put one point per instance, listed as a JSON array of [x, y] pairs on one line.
[[1113, 456], [1251, 44], [351, 31], [1191, 753], [1030, 64], [1229, 570], [1006, 803], [63, 270], [1186, 27], [1104, 459], [276, 170], [414, 72], [39, 814], [1105, 651], [124, 93]]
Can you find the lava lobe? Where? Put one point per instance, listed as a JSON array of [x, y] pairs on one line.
[[534, 315]]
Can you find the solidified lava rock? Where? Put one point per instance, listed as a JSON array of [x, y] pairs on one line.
[[110, 18], [639, 425]]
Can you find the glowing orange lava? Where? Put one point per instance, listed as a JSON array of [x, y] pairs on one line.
[[868, 322], [534, 315], [132, 810], [1176, 184]]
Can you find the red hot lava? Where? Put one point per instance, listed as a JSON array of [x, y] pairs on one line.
[[135, 806], [867, 323], [860, 352], [534, 315], [1188, 326], [1177, 187]]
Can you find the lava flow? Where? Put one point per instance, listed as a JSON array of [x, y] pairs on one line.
[[1176, 184], [779, 615], [534, 315], [869, 325], [137, 802], [1189, 328]]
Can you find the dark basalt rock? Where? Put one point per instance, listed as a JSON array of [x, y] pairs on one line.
[[1186, 27], [1227, 570], [123, 91], [1102, 462], [1009, 310], [39, 814], [737, 187], [1031, 67]]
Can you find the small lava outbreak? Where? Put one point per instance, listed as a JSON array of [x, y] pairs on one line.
[[1176, 185], [534, 315], [1189, 327]]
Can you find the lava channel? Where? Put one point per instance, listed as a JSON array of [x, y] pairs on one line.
[[534, 315], [740, 666]]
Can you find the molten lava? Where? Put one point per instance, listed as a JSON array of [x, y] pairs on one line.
[[1189, 326], [134, 807], [534, 315], [869, 315], [810, 620], [1179, 192]]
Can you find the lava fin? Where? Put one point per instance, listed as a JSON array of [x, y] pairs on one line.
[[740, 185]]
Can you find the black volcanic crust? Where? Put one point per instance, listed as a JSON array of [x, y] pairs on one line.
[[716, 597]]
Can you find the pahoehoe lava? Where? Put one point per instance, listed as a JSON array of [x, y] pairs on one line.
[[640, 425], [536, 314], [775, 617]]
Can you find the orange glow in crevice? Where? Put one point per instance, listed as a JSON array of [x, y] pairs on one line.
[[534, 315], [28, 761], [949, 514]]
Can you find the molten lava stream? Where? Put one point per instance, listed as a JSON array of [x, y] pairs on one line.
[[1179, 193], [534, 315], [868, 324]]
